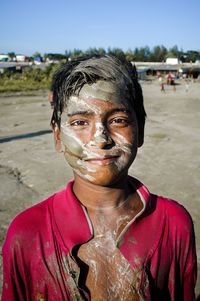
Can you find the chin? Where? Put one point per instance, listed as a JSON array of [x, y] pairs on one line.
[[104, 179]]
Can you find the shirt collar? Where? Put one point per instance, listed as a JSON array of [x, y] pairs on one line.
[[70, 217], [72, 221]]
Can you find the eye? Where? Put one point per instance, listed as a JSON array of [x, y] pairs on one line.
[[120, 121], [79, 123]]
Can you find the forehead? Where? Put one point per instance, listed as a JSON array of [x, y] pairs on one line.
[[104, 91]]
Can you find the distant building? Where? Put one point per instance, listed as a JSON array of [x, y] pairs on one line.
[[172, 61], [22, 58], [163, 69], [142, 73], [4, 58], [190, 71]]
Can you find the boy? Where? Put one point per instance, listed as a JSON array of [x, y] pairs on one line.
[[105, 237]]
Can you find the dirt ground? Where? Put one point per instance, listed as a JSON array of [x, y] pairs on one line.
[[168, 163]]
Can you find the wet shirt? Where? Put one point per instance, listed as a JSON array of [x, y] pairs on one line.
[[158, 243]]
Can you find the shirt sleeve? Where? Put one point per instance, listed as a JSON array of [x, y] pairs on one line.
[[189, 284], [176, 258], [185, 254], [14, 276], [190, 274]]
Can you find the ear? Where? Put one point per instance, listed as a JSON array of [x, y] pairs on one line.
[[57, 139]]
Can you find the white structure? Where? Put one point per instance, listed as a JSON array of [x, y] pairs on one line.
[[20, 58], [172, 61], [4, 57]]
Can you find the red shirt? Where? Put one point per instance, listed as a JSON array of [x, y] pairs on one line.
[[158, 243]]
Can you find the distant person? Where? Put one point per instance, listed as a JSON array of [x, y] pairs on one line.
[[104, 237], [162, 84], [170, 78], [186, 85]]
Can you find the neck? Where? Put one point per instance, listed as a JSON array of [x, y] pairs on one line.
[[95, 197]]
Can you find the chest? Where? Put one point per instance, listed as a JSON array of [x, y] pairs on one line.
[[108, 275]]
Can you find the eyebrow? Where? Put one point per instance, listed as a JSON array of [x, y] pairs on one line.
[[79, 113], [86, 113], [121, 110]]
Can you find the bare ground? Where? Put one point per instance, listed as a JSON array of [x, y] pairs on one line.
[[168, 163]]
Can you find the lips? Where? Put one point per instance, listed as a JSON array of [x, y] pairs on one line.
[[102, 161]]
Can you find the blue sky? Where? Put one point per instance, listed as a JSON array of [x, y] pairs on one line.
[[54, 26]]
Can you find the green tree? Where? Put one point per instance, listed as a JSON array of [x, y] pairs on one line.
[[68, 54], [136, 54], [101, 51], [12, 55], [158, 54], [36, 54], [116, 51], [130, 55], [173, 52], [76, 53], [192, 56], [54, 56]]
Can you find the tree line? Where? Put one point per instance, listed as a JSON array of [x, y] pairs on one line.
[[33, 77], [139, 54]]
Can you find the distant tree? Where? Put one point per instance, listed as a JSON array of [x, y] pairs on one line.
[[145, 53], [158, 54], [136, 54], [192, 56], [76, 53], [101, 51], [36, 54], [116, 51], [182, 56], [91, 51], [141, 54], [68, 54], [45, 56], [173, 52], [95, 51], [54, 56], [130, 55], [12, 55]]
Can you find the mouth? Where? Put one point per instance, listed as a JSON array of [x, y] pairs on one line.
[[103, 161]]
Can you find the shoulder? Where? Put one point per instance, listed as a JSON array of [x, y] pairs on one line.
[[161, 208], [174, 213], [31, 216], [172, 207], [32, 222]]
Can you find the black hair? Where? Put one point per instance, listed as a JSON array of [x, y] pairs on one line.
[[72, 76]]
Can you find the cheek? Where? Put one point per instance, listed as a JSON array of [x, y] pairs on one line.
[[126, 141], [129, 148], [71, 142]]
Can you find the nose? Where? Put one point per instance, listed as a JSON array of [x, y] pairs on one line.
[[101, 138]]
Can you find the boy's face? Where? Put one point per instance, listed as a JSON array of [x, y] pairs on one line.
[[99, 133]]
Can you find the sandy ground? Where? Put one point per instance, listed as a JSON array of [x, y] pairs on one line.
[[168, 163]]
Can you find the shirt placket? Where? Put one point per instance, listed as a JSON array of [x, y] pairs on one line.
[[73, 271]]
